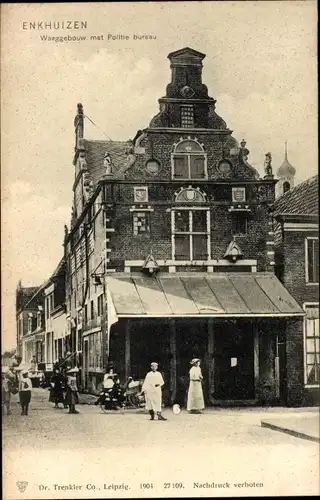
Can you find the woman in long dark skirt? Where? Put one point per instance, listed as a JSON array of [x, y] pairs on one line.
[[57, 389], [25, 387], [72, 397]]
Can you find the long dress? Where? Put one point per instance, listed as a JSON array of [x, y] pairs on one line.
[[153, 393], [195, 394], [56, 392], [72, 397]]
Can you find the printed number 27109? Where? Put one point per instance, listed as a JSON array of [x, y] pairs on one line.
[[173, 485]]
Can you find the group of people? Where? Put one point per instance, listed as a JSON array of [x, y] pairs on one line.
[[152, 387], [12, 384], [64, 389]]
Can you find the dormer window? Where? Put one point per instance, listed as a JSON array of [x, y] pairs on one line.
[[189, 161], [187, 116]]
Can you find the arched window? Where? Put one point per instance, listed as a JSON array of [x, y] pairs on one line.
[[286, 187], [189, 161]]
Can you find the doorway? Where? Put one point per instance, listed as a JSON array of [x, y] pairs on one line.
[[234, 362], [191, 342]]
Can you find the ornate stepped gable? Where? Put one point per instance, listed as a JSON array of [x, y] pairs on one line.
[[187, 111], [226, 158]]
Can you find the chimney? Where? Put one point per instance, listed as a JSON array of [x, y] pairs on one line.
[[79, 125]]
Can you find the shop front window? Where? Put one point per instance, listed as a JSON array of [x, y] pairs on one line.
[[312, 351], [312, 260]]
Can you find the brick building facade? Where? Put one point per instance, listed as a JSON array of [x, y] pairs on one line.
[[170, 254], [297, 266]]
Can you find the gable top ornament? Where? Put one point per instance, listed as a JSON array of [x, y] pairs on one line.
[[267, 165], [150, 265]]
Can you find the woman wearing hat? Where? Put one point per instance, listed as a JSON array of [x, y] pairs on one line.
[[195, 402], [57, 389], [72, 397], [25, 387], [152, 388]]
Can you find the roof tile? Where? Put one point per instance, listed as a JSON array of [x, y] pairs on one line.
[[302, 199], [95, 151]]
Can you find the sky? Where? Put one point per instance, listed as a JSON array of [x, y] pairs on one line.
[[260, 66]]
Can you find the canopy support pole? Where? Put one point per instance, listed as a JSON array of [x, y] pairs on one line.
[[211, 360], [256, 363], [127, 353], [173, 360]]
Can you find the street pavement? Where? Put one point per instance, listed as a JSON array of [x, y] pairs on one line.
[[96, 455]]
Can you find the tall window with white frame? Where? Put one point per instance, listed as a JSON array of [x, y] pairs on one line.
[[190, 234], [189, 161], [312, 260], [312, 340]]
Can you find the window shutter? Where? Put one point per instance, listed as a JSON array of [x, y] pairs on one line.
[[181, 167]]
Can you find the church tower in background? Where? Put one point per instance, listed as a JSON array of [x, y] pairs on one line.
[[285, 174]]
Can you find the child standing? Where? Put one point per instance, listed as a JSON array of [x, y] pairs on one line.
[[25, 387]]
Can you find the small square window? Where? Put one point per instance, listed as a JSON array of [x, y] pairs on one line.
[[141, 223]]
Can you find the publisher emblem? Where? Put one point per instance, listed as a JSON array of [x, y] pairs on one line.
[[22, 485]]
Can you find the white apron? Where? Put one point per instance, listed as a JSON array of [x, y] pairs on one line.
[[153, 394]]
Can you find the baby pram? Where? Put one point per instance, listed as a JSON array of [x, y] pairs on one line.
[[134, 398]]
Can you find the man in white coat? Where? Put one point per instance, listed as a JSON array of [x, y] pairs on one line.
[[152, 387]]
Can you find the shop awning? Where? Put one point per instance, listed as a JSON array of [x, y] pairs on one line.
[[205, 295]]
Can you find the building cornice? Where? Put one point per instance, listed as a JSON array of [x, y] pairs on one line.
[[311, 218], [179, 182], [188, 131], [189, 100]]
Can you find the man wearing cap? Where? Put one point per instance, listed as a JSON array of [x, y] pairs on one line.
[[152, 387]]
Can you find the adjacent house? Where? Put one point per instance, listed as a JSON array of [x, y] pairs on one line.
[[23, 308], [297, 266]]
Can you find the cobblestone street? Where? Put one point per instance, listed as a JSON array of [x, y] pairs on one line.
[[109, 453]]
